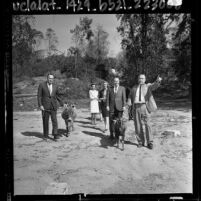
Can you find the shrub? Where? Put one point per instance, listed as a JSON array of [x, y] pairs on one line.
[[58, 74], [75, 89]]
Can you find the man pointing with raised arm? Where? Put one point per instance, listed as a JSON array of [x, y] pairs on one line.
[[143, 104]]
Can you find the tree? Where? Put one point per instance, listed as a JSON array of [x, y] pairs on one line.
[[100, 45], [90, 48], [81, 37], [182, 48], [52, 41], [25, 40], [82, 34], [144, 43]]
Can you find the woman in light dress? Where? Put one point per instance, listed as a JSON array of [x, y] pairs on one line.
[[94, 105]]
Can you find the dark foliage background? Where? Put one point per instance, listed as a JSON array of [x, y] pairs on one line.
[[154, 44]]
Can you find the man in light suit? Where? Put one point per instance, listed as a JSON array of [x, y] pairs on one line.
[[143, 103], [47, 102], [116, 103]]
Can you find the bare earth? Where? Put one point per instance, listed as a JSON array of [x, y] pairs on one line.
[[88, 162]]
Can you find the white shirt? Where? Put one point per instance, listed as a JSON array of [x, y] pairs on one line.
[[104, 94], [50, 88], [137, 96], [116, 89]]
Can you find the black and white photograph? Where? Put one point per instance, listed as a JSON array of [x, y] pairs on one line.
[[102, 104]]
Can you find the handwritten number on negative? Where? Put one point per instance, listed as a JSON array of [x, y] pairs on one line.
[[155, 4], [102, 6], [71, 3], [119, 4], [87, 4], [111, 4], [162, 4], [79, 6], [147, 2], [137, 5]]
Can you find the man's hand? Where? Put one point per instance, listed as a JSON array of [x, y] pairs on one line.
[[124, 108], [42, 108], [107, 108], [158, 79], [129, 102]]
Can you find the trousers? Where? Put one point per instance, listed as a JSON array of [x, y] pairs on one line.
[[141, 122], [45, 118]]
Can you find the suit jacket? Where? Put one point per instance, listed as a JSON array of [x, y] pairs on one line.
[[45, 99], [117, 100], [147, 92]]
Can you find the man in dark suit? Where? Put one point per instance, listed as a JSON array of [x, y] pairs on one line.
[[143, 103], [47, 102], [116, 103]]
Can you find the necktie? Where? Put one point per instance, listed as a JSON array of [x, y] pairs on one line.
[[140, 93]]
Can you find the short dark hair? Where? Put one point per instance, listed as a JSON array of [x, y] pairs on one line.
[[141, 74], [50, 74]]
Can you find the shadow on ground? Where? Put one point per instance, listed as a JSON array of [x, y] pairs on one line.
[[92, 127], [61, 131], [104, 140], [82, 122], [34, 134], [130, 143]]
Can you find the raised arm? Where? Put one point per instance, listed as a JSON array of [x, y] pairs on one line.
[[155, 85]]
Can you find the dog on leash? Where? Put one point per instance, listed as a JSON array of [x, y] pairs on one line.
[[69, 115], [119, 130]]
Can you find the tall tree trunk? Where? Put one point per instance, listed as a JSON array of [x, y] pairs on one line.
[[133, 47], [144, 24]]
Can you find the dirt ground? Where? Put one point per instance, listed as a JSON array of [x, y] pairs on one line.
[[88, 162]]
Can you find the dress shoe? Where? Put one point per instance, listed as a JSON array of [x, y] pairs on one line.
[[139, 145], [150, 146], [45, 138], [56, 137]]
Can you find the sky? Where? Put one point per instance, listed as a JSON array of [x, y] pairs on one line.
[[62, 24]]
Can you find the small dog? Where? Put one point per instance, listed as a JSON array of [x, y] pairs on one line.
[[119, 129], [69, 115]]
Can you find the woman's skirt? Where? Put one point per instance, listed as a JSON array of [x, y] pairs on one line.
[[105, 112], [94, 107]]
